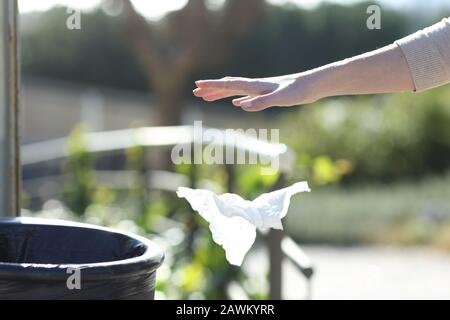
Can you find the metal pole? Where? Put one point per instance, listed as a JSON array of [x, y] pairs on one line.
[[276, 257], [9, 110]]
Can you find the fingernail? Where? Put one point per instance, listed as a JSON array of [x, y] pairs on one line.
[[246, 104]]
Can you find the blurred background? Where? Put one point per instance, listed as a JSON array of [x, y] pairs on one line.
[[377, 224]]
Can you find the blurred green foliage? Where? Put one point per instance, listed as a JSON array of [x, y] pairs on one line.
[[399, 213], [286, 40], [80, 186], [96, 54], [352, 141], [195, 267], [290, 39], [250, 182], [402, 137], [380, 138]]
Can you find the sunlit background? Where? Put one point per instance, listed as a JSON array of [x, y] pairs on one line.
[[154, 9], [377, 224]]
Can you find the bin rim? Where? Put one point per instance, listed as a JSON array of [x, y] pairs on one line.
[[148, 262]]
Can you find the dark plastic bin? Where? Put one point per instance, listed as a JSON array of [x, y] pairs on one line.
[[38, 256]]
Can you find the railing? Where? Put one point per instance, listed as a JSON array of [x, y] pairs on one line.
[[279, 245]]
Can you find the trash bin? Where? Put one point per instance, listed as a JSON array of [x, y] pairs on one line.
[[52, 259]]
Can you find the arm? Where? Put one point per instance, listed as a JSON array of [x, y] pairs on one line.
[[417, 62], [381, 71]]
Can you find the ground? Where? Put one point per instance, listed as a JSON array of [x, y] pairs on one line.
[[367, 273]]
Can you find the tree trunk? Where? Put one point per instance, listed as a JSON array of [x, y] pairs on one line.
[[168, 109], [169, 106]]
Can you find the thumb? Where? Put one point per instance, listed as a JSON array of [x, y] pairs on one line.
[[260, 102]]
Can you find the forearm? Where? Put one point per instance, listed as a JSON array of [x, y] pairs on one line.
[[417, 62], [381, 71]]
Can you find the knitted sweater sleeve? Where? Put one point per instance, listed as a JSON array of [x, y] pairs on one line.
[[428, 55]]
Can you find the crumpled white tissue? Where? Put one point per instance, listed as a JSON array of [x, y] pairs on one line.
[[233, 220]]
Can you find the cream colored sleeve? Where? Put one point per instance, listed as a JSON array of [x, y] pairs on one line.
[[428, 55]]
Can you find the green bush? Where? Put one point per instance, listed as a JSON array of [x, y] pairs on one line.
[[385, 137], [409, 212]]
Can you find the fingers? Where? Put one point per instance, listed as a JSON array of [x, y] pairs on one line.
[[209, 95], [235, 86], [200, 92], [247, 103], [239, 101], [227, 83], [259, 103], [217, 96], [257, 93]]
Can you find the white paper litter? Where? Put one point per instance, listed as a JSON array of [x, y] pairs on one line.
[[233, 220]]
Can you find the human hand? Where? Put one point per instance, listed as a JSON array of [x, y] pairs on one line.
[[259, 94]]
